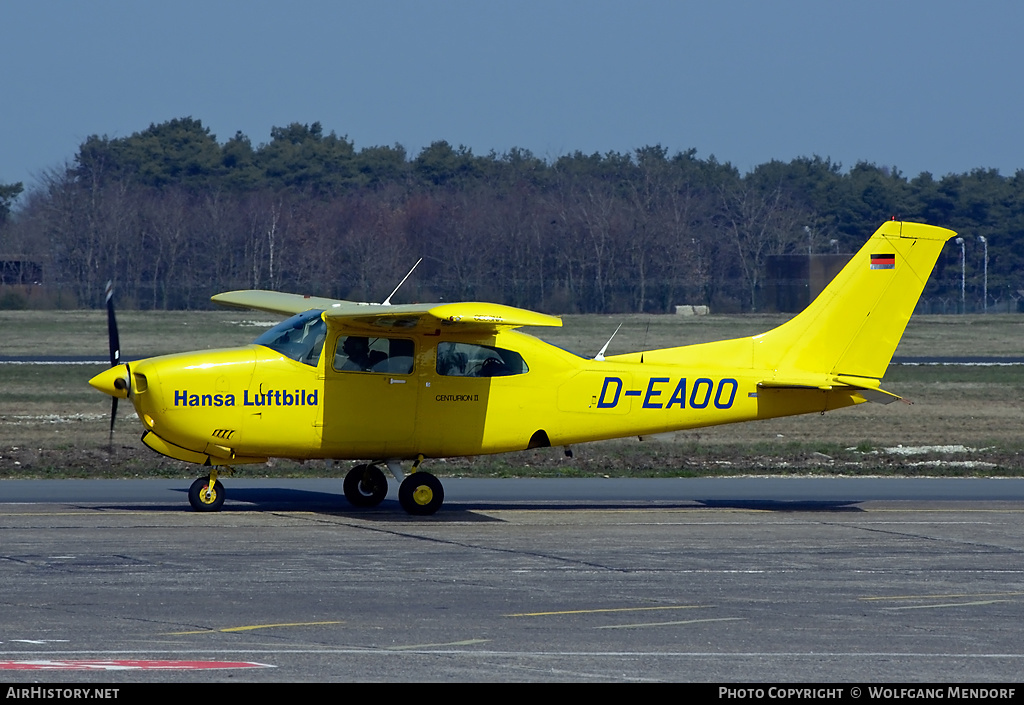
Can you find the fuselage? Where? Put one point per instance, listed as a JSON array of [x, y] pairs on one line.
[[432, 395]]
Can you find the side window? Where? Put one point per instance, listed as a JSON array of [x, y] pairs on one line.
[[469, 360], [359, 353]]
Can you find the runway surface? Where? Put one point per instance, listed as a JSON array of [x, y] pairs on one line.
[[735, 580]]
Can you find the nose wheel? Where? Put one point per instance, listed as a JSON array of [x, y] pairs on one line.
[[206, 494]]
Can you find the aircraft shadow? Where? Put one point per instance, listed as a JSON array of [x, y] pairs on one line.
[[777, 505], [281, 499], [695, 504]]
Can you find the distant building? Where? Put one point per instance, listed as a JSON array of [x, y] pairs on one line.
[[21, 282], [794, 281], [20, 270]]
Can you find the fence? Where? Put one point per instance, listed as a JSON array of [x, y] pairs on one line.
[[953, 305]]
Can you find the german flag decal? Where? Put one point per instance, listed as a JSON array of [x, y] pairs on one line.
[[883, 261]]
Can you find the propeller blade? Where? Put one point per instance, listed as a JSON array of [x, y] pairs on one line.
[[115, 348], [113, 416], [115, 342]]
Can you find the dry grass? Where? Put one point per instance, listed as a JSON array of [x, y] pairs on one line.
[[143, 333]]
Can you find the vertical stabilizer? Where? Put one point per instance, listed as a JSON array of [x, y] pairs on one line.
[[852, 328]]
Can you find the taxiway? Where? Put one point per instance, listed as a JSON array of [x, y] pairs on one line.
[[521, 580]]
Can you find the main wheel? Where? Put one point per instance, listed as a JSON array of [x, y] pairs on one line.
[[365, 486], [204, 501], [421, 493]]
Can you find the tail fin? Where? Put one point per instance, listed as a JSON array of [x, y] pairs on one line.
[[852, 329]]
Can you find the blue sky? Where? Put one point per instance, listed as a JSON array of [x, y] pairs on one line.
[[924, 86]]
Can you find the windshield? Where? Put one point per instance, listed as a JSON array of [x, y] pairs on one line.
[[300, 337]]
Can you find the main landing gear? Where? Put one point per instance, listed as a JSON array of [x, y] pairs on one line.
[[419, 493]]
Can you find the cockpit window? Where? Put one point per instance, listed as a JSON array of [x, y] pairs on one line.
[[300, 337], [359, 353], [469, 360]]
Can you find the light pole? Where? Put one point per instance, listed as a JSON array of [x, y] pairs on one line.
[[963, 275], [985, 280]]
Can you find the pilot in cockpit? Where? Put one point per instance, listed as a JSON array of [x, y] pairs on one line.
[[360, 357]]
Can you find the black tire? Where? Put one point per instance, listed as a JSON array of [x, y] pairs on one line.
[[421, 493], [198, 499], [365, 486]]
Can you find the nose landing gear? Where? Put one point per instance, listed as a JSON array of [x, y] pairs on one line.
[[206, 494]]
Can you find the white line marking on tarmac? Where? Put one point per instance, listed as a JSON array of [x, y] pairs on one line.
[[124, 665], [468, 642], [947, 596], [947, 604], [669, 624], [610, 609]]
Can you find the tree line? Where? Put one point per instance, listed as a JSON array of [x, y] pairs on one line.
[[173, 216]]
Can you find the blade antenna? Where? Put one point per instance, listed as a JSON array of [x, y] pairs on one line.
[[387, 301], [600, 356]]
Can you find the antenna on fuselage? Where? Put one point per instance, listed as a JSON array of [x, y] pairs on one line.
[[387, 301], [600, 355]]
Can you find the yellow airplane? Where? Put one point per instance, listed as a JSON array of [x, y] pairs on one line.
[[391, 383]]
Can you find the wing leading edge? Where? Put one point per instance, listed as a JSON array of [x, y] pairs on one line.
[[274, 301], [469, 317]]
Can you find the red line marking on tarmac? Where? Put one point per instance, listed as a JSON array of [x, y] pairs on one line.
[[125, 665]]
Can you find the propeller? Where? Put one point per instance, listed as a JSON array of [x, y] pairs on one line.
[[115, 351]]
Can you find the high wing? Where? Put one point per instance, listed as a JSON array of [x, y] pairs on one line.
[[274, 301], [469, 317]]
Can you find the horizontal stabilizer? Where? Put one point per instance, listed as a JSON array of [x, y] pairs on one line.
[[879, 396], [866, 388]]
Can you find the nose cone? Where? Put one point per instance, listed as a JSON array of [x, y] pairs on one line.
[[113, 381]]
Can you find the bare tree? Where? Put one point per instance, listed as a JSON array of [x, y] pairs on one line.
[[759, 223]]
